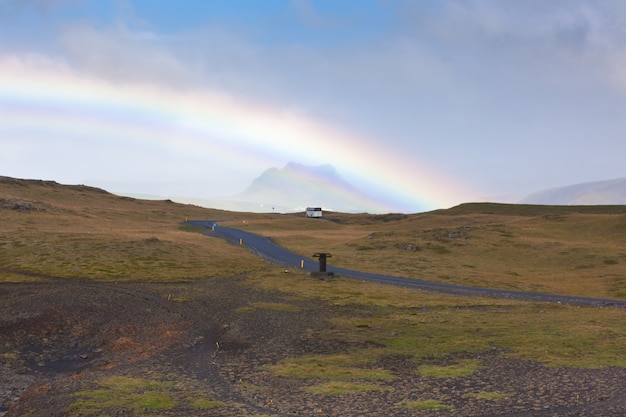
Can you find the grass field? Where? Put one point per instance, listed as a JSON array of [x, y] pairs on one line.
[[80, 232], [429, 326], [563, 250]]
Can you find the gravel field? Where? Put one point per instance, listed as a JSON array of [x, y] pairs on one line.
[[63, 336]]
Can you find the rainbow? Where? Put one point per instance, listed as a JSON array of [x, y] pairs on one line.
[[225, 131]]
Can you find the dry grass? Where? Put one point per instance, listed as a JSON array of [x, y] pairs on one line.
[[81, 232], [574, 253]]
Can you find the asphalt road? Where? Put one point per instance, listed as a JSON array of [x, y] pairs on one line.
[[266, 249]]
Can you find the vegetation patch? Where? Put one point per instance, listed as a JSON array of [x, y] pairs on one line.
[[489, 396], [343, 388], [143, 396], [438, 249], [204, 404], [186, 227], [341, 367], [137, 394]]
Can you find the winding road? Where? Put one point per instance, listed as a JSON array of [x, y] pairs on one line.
[[265, 248]]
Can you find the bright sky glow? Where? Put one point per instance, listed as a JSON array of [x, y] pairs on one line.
[[422, 104]]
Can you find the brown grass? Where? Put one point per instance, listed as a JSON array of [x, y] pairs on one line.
[[574, 253], [79, 231], [82, 232]]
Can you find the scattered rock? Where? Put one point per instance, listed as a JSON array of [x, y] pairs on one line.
[[408, 247], [23, 205]]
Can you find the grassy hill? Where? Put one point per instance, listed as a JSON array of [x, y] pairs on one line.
[[84, 232], [76, 231], [554, 249]]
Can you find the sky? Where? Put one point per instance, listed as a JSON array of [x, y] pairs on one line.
[[423, 104]]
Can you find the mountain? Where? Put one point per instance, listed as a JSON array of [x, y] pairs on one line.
[[608, 192], [296, 186]]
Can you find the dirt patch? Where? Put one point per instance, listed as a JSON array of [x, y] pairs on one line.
[[210, 350]]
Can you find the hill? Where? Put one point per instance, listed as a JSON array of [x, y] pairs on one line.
[[85, 232], [609, 192], [530, 209]]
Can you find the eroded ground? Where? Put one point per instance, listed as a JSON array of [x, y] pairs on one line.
[[80, 348]]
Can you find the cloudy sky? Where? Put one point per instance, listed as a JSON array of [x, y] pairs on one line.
[[423, 103]]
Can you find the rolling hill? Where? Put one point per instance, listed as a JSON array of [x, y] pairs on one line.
[[591, 193]]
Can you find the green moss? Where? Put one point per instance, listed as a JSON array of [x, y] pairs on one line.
[[143, 396], [342, 367], [343, 388], [490, 396]]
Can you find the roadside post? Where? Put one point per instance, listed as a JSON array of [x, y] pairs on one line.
[[322, 273]]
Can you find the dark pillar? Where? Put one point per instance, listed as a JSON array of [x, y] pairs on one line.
[[322, 262], [322, 258]]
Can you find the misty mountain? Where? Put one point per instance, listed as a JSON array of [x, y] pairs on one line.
[[296, 186], [591, 193]]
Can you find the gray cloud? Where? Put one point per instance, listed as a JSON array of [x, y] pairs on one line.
[[122, 55], [472, 87]]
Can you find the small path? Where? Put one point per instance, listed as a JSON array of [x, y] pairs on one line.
[[265, 248]]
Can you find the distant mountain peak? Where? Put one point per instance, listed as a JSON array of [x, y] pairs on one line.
[[326, 171], [300, 167], [609, 192], [297, 186]]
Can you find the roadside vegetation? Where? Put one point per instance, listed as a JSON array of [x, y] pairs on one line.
[[562, 250]]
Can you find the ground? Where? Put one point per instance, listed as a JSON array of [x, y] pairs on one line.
[[71, 347]]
